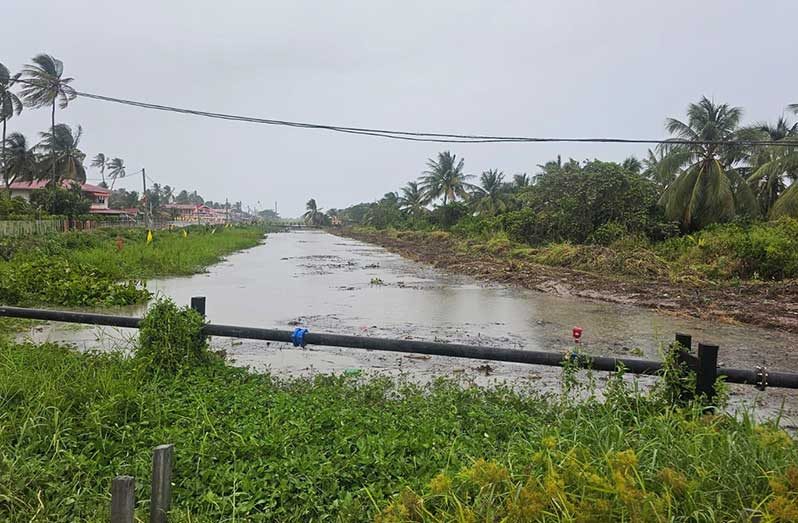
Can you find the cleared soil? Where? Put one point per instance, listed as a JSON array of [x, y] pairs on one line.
[[772, 305]]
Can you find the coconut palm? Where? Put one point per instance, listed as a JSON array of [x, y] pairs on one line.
[[21, 161], [64, 144], [772, 166], [10, 105], [703, 192], [44, 85], [658, 167], [632, 164], [445, 178], [490, 197], [100, 161], [413, 199], [116, 170], [521, 181], [313, 215]]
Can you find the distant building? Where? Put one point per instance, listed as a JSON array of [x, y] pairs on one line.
[[195, 213], [98, 196]]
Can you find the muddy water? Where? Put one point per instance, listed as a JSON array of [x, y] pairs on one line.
[[332, 284]]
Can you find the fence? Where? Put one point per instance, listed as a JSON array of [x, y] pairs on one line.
[[704, 364], [16, 228]]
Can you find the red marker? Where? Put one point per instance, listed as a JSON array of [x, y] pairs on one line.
[[576, 332]]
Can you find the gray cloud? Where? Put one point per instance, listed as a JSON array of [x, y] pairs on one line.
[[570, 68]]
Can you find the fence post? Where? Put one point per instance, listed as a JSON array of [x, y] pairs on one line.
[[707, 371], [161, 498], [123, 499], [198, 304]]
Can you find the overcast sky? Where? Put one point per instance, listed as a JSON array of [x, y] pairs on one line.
[[564, 68]]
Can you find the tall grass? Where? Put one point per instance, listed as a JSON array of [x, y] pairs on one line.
[[251, 447], [108, 267]]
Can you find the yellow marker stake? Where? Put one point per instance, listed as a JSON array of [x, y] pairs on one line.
[[149, 237]]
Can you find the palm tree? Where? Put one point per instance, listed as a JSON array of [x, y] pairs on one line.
[[116, 170], [10, 105], [445, 177], [632, 164], [413, 199], [657, 167], [490, 197], [313, 215], [772, 165], [704, 190], [21, 161], [100, 161], [168, 194], [45, 85], [63, 143], [521, 181]]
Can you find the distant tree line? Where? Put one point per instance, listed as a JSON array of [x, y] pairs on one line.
[[676, 188]]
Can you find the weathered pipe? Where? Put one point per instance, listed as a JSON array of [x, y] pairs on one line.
[[454, 350]]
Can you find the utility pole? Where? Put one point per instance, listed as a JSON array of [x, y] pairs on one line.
[[146, 199]]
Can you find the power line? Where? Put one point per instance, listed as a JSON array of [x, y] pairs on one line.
[[419, 136]]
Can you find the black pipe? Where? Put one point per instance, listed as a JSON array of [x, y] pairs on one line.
[[602, 363]]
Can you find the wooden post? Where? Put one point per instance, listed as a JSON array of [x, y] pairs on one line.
[[123, 499], [683, 352], [161, 498], [198, 304], [707, 371]]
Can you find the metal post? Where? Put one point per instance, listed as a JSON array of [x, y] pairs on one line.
[[123, 499], [146, 199], [707, 371], [161, 498], [198, 304]]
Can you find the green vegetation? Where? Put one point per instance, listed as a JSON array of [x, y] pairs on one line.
[[257, 448], [107, 267], [692, 212]]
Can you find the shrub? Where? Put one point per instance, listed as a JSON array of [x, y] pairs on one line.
[[56, 200], [608, 233], [170, 338]]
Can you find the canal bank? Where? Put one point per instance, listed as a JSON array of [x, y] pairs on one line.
[[340, 285]]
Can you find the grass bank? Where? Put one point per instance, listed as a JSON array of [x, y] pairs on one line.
[[251, 447], [108, 267], [699, 275]]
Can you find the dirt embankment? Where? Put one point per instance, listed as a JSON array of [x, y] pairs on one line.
[[770, 305]]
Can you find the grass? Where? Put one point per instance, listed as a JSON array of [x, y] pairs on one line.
[[251, 447], [90, 268]]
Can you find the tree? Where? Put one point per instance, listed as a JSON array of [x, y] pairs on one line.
[[21, 161], [703, 192], [445, 178], [100, 161], [44, 84], [521, 181], [632, 164], [772, 166], [168, 194], [313, 215], [412, 200], [68, 202], [657, 169], [63, 143], [10, 105], [182, 197], [490, 197], [116, 170]]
